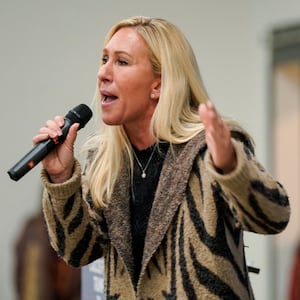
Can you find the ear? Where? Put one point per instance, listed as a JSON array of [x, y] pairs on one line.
[[156, 88]]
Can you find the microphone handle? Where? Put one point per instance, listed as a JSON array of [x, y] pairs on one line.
[[37, 154]]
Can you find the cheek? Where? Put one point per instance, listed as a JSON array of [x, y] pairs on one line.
[[134, 86], [135, 91]]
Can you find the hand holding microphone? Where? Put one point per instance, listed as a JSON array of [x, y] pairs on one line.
[[59, 162], [54, 146]]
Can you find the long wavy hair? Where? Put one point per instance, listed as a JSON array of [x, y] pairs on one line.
[[175, 118]]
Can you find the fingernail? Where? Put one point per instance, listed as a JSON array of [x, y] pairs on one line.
[[53, 134]]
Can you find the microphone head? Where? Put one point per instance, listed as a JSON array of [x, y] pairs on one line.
[[80, 114]]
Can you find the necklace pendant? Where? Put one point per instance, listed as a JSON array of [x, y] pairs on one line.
[[143, 175]]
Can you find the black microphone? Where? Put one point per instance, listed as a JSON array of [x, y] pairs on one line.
[[80, 114]]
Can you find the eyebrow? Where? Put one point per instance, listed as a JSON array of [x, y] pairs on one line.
[[118, 52]]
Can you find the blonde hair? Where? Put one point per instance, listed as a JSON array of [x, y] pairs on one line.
[[175, 119]]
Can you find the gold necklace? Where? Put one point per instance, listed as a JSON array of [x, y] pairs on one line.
[[143, 169]]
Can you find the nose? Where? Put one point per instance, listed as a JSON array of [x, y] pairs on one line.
[[105, 73]]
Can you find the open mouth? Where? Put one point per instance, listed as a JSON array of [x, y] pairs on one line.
[[109, 98]]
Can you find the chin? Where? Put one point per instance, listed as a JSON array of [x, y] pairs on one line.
[[110, 122]]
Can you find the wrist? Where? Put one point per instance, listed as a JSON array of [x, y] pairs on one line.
[[229, 167], [62, 176]]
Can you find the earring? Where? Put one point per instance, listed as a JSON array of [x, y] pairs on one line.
[[152, 95]]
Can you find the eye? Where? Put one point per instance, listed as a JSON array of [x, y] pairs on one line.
[[104, 59], [122, 62]]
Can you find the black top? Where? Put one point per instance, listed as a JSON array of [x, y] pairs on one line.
[[142, 196]]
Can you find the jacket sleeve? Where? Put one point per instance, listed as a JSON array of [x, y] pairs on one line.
[[76, 231], [256, 200]]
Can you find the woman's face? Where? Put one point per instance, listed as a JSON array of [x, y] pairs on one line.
[[126, 81]]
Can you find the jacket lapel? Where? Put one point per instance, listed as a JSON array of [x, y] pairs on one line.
[[170, 192], [117, 215]]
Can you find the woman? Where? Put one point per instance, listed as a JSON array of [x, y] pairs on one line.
[[168, 186]]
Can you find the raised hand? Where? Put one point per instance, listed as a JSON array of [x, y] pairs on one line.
[[218, 138]]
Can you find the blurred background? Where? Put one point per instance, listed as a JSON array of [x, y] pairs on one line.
[[249, 57]]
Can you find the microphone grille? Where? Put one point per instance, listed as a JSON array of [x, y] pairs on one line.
[[80, 114]]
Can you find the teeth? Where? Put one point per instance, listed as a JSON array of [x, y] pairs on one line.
[[107, 99]]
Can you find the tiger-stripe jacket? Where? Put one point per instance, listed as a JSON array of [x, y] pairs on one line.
[[194, 242]]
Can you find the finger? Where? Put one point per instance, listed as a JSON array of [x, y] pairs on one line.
[[72, 134], [54, 128], [40, 137], [210, 118], [60, 121], [213, 115], [207, 111], [203, 112], [73, 130]]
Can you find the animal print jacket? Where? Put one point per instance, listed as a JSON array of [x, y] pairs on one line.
[[194, 242]]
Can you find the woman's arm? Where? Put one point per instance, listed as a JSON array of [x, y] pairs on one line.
[[77, 232], [257, 201]]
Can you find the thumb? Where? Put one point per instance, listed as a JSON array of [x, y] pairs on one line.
[[72, 134]]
